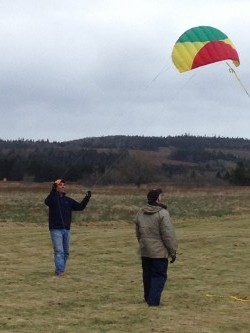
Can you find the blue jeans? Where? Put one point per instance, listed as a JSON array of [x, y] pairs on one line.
[[154, 278], [61, 241]]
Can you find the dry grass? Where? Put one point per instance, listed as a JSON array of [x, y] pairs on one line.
[[102, 290]]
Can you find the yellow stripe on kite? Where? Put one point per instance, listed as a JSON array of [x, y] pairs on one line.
[[184, 53]]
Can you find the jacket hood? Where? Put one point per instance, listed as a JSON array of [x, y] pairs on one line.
[[149, 209]]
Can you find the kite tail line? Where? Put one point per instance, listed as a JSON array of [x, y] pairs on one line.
[[231, 70]]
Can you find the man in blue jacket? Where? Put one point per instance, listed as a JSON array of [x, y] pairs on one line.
[[60, 216]]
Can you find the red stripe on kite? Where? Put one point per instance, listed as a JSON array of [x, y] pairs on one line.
[[214, 51]]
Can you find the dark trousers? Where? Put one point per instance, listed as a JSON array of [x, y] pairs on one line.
[[154, 273]]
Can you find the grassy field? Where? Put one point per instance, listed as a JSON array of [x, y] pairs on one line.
[[208, 286]]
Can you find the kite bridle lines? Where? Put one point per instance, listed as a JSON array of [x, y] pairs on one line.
[[231, 70]]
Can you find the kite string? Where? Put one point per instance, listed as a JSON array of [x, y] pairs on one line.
[[109, 169], [123, 153], [236, 298], [149, 124], [231, 70], [163, 108], [121, 115], [164, 69]]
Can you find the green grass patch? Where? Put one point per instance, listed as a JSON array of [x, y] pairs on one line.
[[102, 289]]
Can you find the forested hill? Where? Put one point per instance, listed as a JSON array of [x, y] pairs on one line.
[[132, 142], [128, 159], [154, 143]]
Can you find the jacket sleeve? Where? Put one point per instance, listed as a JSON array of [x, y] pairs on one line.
[[80, 205], [168, 233], [137, 231], [51, 198]]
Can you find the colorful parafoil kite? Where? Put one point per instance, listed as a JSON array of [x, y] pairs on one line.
[[201, 46]]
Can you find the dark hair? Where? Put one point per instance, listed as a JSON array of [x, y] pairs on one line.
[[153, 195]]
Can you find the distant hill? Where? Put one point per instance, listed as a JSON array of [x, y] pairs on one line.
[[126, 159]]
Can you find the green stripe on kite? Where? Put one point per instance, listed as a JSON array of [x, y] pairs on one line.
[[202, 34]]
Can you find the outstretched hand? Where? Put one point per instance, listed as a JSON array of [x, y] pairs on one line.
[[88, 194]]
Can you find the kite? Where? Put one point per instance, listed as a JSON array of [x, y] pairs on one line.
[[201, 46]]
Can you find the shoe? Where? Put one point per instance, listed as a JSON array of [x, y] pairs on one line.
[[60, 274], [153, 304]]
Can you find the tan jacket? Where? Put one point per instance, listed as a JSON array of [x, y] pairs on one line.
[[155, 232]]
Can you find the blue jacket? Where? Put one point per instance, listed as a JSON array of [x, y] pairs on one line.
[[60, 209]]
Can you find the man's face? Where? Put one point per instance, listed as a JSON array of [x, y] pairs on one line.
[[60, 187]]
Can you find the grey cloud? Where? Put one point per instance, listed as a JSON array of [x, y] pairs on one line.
[[86, 68]]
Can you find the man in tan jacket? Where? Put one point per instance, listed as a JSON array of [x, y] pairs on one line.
[[156, 237]]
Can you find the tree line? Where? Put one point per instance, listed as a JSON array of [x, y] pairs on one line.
[[107, 160]]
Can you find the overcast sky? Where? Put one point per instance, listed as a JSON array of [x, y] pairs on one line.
[[71, 69]]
